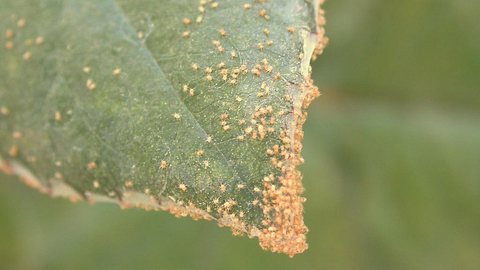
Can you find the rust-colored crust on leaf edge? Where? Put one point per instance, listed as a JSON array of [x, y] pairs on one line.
[[287, 232]]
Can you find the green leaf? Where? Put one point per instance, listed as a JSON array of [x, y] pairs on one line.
[[191, 107]]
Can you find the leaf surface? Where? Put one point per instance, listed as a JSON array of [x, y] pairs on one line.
[[191, 107]]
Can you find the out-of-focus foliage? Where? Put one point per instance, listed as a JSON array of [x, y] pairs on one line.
[[392, 167]]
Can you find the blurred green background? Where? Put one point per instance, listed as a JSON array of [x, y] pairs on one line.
[[392, 170]]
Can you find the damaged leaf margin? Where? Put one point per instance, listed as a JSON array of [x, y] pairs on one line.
[[286, 233]]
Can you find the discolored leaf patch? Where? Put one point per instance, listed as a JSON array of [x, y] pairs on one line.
[[193, 107]]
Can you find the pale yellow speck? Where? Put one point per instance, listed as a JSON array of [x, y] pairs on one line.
[[129, 183], [116, 72], [200, 153], [17, 135], [9, 34], [96, 184], [21, 23], [27, 56], [182, 187], [39, 40], [92, 165], [163, 164], [9, 45], [262, 13], [91, 85], [222, 32], [58, 116], [13, 151]]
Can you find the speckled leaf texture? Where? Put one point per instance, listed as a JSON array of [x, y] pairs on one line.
[[193, 107]]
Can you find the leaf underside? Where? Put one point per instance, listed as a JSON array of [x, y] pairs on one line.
[[191, 107]]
